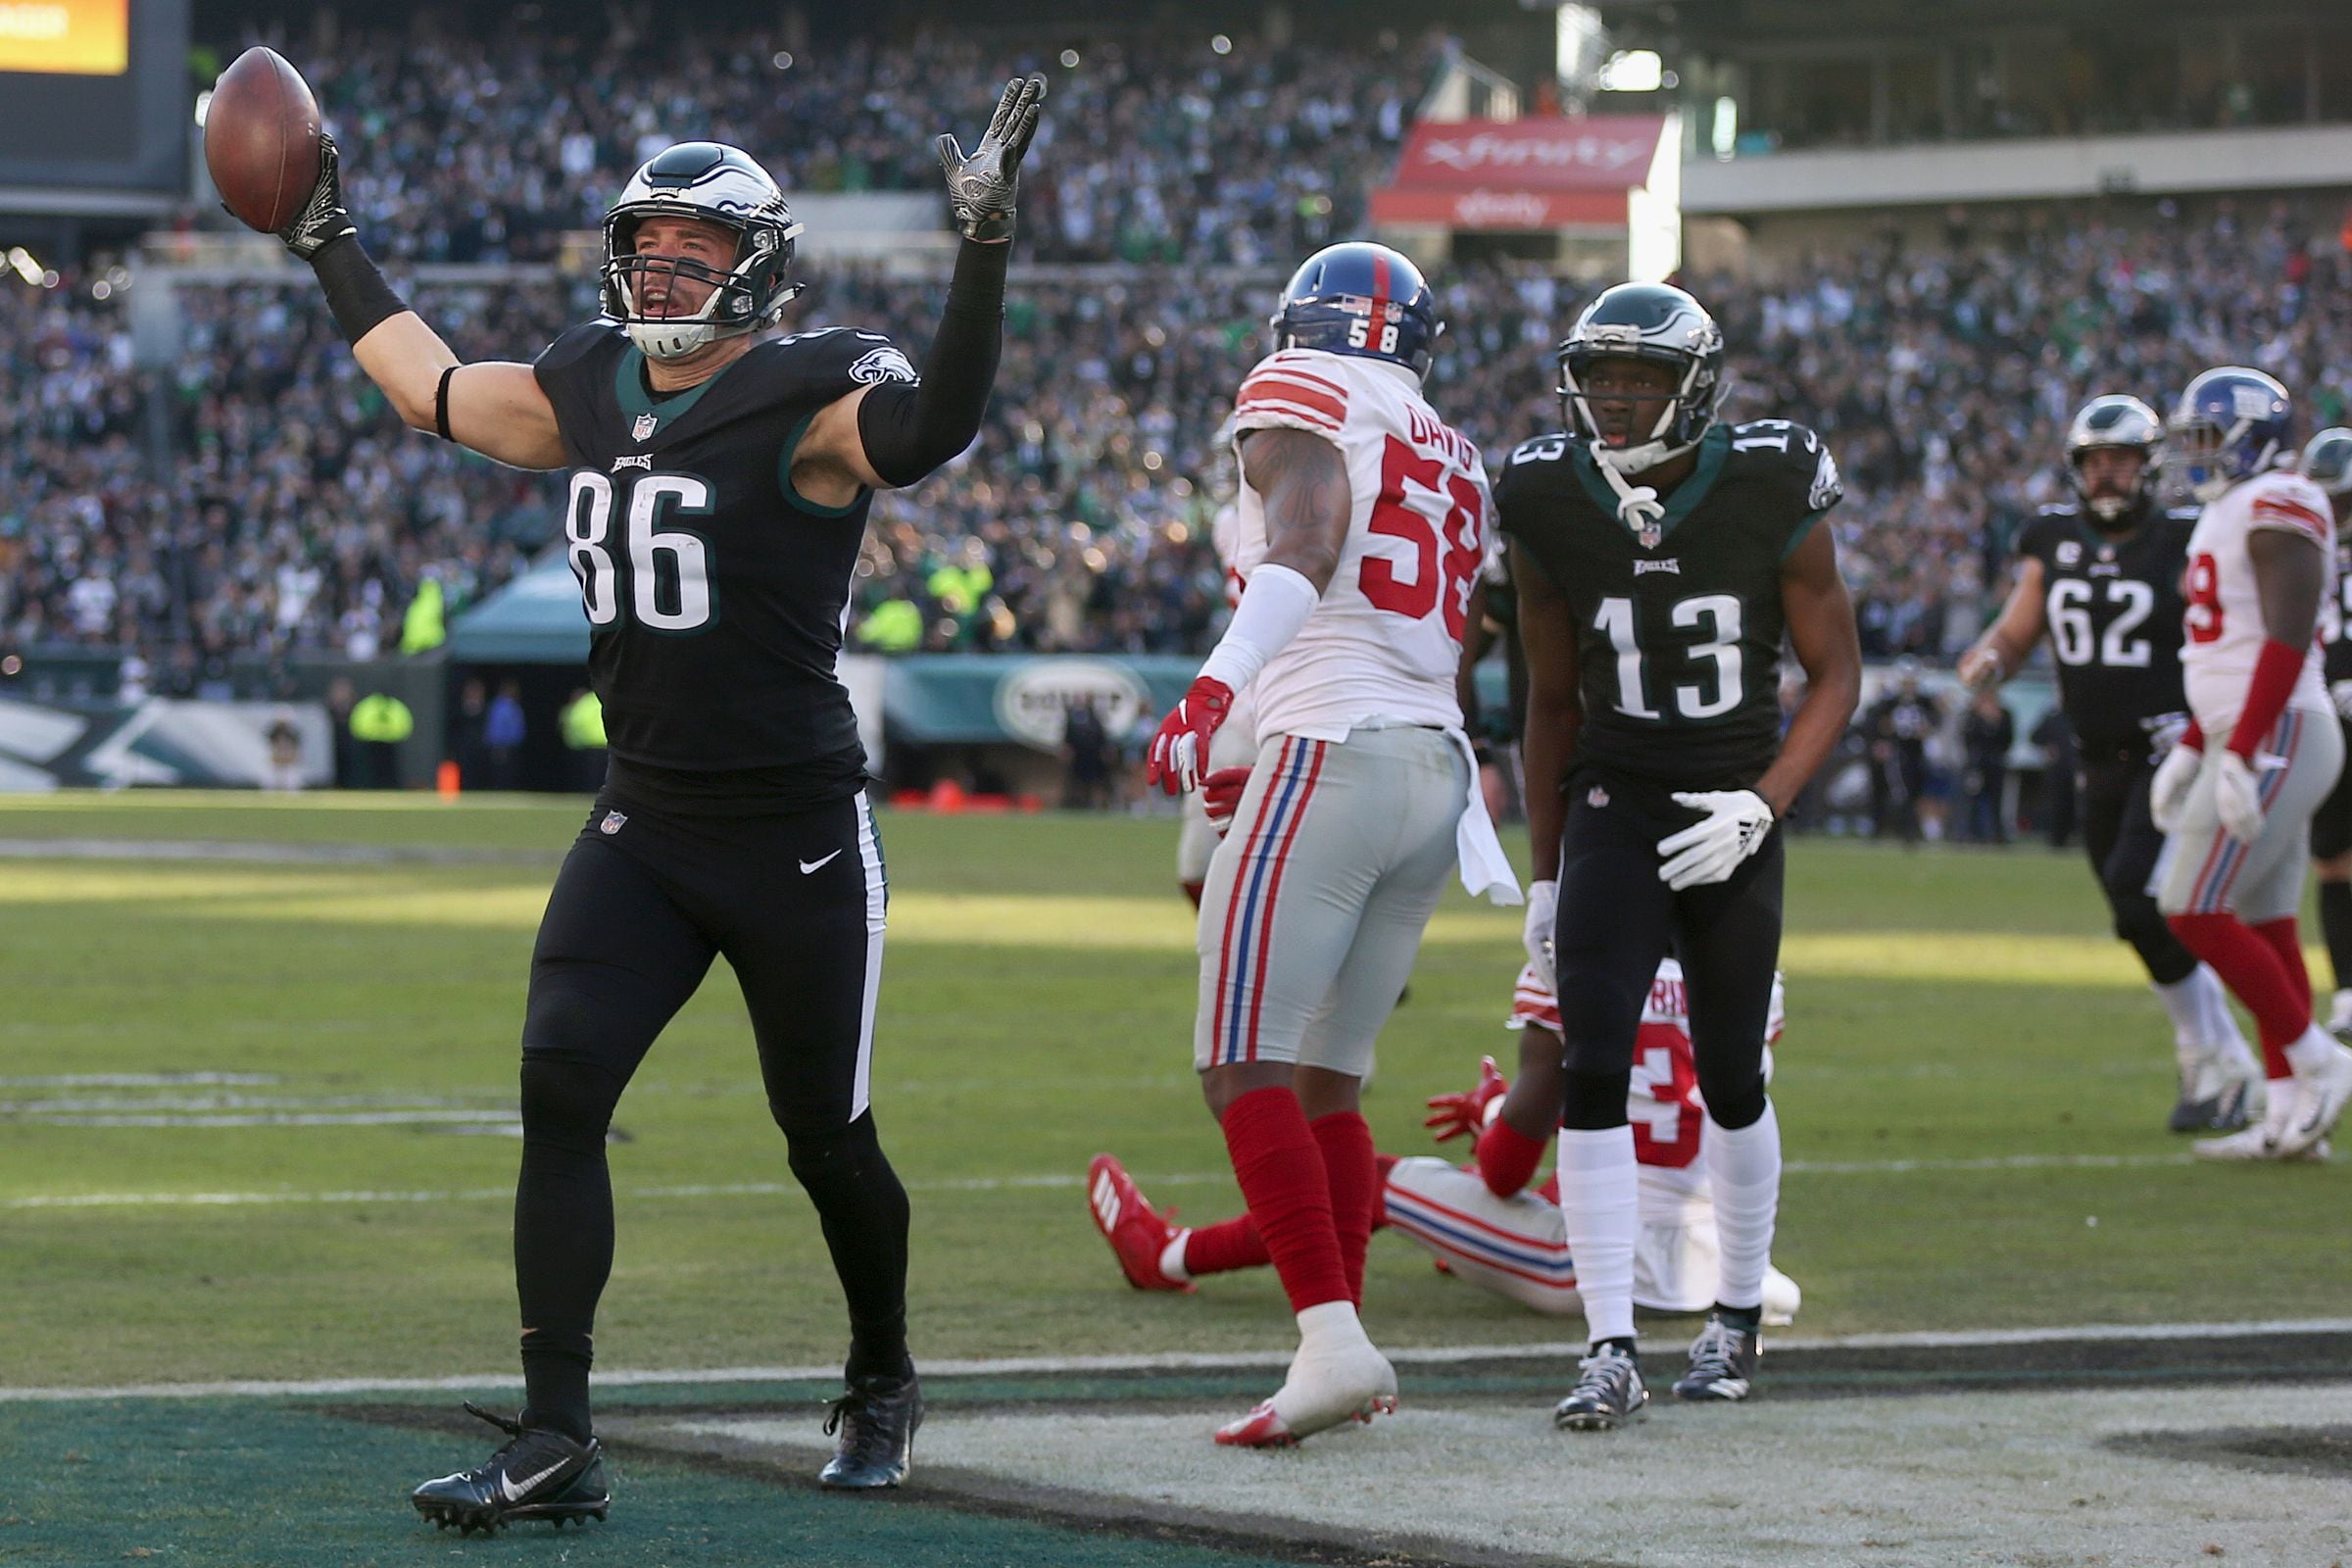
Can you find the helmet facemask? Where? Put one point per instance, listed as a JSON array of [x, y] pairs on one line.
[[737, 302], [1683, 417]]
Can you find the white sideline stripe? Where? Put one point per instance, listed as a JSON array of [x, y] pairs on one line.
[[980, 1184], [1171, 1361], [355, 1118]]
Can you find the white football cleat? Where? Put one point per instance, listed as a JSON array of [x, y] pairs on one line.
[[2229, 1081], [1353, 1383], [2323, 1087], [2259, 1141]]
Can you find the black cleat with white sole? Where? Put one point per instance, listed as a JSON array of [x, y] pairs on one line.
[[538, 1474], [1608, 1393], [1723, 1362], [874, 1425]]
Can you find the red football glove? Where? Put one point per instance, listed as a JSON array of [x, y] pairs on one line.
[[1464, 1113], [1221, 795], [1179, 752]]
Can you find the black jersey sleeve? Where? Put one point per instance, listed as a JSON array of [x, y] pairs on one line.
[[574, 371], [1791, 465], [1531, 476], [2040, 535], [816, 367]]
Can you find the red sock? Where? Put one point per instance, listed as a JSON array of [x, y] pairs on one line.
[[1382, 1164], [2282, 939], [1281, 1172], [1507, 1158], [2255, 974], [1223, 1247], [1351, 1167]]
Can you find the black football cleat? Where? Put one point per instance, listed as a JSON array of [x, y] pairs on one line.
[[1723, 1362], [539, 1473], [1608, 1394], [875, 1420]]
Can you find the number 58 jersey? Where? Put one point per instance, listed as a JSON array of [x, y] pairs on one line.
[[1679, 624], [1386, 637]]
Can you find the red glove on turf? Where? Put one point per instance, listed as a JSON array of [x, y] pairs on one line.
[[1459, 1114], [1180, 750]]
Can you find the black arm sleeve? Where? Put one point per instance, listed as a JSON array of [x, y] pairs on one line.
[[910, 430]]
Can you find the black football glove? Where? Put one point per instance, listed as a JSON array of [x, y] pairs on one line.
[[981, 186], [323, 218]]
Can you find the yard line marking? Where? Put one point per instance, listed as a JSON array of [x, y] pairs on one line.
[[265, 852], [1169, 1362], [138, 1080], [1896, 1167]]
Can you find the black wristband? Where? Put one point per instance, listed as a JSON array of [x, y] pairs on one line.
[[910, 430], [441, 405], [356, 292]]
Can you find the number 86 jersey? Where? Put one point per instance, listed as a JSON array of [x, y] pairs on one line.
[[1678, 624], [1386, 637]]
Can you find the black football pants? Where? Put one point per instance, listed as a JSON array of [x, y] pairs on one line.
[[1617, 919], [2124, 842], [644, 903]]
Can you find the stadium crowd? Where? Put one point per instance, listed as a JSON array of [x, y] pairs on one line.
[[1157, 148], [269, 501]]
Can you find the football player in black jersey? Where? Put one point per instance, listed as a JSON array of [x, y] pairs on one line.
[[2327, 460], [719, 482], [2101, 575], [1660, 557]]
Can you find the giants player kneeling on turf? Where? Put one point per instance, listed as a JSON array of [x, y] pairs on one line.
[[1483, 1222]]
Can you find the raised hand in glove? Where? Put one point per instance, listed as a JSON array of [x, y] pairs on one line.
[[1221, 796], [1466, 1113], [2168, 791], [323, 218], [1180, 750], [1711, 849], [2238, 792], [981, 185]]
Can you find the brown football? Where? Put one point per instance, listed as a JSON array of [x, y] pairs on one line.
[[260, 139]]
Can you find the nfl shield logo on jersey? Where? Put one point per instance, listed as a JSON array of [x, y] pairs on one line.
[[614, 822], [645, 426]]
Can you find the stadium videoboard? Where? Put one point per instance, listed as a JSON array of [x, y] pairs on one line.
[[97, 94]]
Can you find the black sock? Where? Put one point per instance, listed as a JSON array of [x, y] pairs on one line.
[[563, 1237], [1748, 1319], [863, 1209], [2335, 925], [1624, 1345]]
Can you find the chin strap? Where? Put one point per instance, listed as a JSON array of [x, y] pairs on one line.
[[1638, 505]]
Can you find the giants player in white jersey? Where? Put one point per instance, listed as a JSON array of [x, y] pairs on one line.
[[2263, 749], [1483, 1222], [1363, 518]]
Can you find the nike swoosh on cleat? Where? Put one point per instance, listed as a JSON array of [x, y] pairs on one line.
[[807, 867], [516, 1494]]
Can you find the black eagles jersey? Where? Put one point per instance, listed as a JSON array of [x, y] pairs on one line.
[[715, 594], [2114, 612], [1678, 635], [2336, 616]]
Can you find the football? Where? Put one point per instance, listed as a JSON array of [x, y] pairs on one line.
[[260, 139]]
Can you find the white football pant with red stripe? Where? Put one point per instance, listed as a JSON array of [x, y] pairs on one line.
[[1518, 1246], [1316, 900]]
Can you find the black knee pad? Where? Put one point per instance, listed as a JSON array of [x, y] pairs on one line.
[[1737, 1104], [567, 1102], [1594, 1102]]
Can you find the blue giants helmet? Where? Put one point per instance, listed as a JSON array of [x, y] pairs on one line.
[[1361, 298], [2232, 422]]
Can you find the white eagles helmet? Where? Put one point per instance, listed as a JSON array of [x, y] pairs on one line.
[[719, 184]]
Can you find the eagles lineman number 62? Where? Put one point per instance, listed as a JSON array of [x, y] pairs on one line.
[[589, 525]]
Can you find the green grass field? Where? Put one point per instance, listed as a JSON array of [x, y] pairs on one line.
[[1947, 1010], [255, 1124]]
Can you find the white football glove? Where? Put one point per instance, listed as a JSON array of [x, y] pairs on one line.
[[1712, 848], [2168, 791], [2238, 792], [2339, 692], [1543, 906]]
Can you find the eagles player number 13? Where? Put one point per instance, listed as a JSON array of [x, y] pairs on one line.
[[668, 570], [1717, 616]]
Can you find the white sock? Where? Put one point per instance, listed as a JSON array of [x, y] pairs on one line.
[[1171, 1257], [2221, 1024], [2185, 1004], [2340, 1014], [1743, 1168], [1600, 1199], [2311, 1051], [1331, 1326]]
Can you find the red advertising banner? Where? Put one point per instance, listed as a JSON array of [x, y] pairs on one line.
[[1602, 152]]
